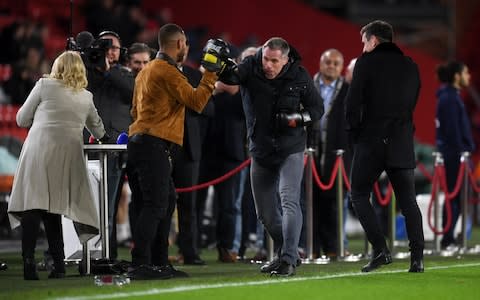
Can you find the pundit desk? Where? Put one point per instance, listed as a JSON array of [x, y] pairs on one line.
[[102, 150]]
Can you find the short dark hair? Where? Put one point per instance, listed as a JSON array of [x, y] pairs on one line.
[[381, 29], [446, 72], [277, 43], [167, 32], [139, 48]]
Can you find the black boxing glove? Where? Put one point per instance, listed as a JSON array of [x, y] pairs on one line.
[[293, 120], [215, 55]]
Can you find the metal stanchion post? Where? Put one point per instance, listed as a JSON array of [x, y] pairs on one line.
[[465, 194], [340, 203], [436, 206], [309, 205], [85, 263], [104, 206]]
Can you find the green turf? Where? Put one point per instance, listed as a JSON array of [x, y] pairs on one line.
[[445, 278]]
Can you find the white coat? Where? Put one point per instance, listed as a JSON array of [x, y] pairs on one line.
[[51, 174]]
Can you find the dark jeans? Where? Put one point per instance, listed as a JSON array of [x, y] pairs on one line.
[[153, 196], [368, 163]]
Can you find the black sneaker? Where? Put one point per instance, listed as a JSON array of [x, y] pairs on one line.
[[284, 269], [270, 266], [148, 272]]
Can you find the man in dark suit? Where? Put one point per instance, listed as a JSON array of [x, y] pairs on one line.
[[329, 135], [186, 174], [379, 111]]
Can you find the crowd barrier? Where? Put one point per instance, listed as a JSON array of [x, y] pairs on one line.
[[465, 181]]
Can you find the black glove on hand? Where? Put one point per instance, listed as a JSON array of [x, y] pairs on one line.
[[293, 120], [215, 55]]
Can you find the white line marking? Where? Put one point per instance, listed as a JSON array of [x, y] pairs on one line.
[[187, 288]]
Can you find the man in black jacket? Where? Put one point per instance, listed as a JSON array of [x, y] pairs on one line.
[[279, 99], [329, 136], [379, 111], [112, 89]]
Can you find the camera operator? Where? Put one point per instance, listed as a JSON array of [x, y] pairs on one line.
[[112, 87]]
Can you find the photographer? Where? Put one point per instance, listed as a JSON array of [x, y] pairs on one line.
[[112, 87]]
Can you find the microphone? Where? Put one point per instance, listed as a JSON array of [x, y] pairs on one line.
[[122, 139], [84, 39]]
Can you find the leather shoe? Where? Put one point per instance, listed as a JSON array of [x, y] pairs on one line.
[[270, 266], [194, 261], [284, 269], [170, 269], [226, 256], [416, 266], [379, 259], [3, 266]]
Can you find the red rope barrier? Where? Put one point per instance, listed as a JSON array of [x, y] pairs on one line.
[[441, 180], [458, 184], [332, 176], [215, 181], [345, 177], [424, 171], [437, 174], [383, 201]]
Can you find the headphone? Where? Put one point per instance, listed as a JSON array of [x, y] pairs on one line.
[[109, 32]]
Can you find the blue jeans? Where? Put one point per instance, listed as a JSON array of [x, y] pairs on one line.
[[283, 221]]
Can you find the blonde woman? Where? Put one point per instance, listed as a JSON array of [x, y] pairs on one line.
[[51, 178]]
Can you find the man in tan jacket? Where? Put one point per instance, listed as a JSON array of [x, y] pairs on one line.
[[161, 94]]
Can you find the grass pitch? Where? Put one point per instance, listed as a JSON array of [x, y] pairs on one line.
[[454, 277]]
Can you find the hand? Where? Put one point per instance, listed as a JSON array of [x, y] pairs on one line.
[[104, 139], [293, 120]]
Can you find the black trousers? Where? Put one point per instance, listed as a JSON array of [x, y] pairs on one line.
[[185, 174], [325, 215], [30, 223], [153, 196], [368, 163]]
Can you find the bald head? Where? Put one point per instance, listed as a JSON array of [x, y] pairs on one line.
[[248, 52], [330, 65]]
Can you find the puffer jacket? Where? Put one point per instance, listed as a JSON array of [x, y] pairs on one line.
[[291, 91]]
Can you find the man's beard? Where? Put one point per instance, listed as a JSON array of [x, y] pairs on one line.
[[181, 56]]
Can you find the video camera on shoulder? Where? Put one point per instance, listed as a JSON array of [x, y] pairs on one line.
[[92, 51]]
